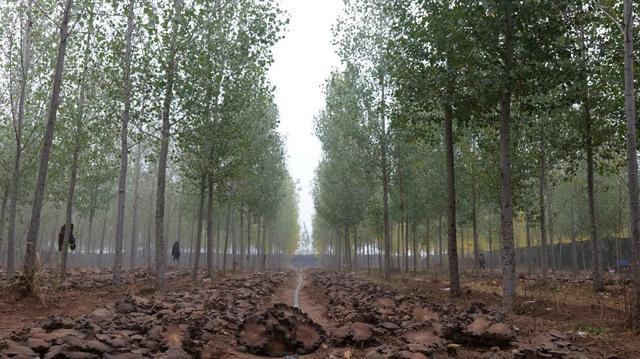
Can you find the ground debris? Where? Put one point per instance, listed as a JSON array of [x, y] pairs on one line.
[[175, 325], [280, 330]]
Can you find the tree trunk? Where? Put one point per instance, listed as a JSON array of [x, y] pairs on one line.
[[226, 238], [542, 204], [104, 232], [134, 217], [30, 260], [452, 250], [264, 241], [76, 153], [428, 246], [385, 184], [18, 127], [490, 249], [474, 223], [632, 157], [196, 252], [249, 238], [92, 212], [191, 244], [440, 262], [528, 234], [179, 228], [210, 229], [508, 253], [598, 286], [355, 247], [161, 255], [241, 234], [415, 247], [124, 147], [3, 213]]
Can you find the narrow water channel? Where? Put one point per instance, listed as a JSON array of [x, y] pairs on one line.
[[296, 294]]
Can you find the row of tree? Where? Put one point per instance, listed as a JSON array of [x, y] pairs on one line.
[[476, 115], [182, 87]]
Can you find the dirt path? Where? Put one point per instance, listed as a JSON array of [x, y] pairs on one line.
[[312, 302]]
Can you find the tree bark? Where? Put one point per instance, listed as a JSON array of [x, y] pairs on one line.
[[508, 252], [226, 238], [30, 260], [134, 218], [18, 127], [632, 157], [528, 234], [210, 229], [474, 221], [385, 183], [3, 213], [196, 252], [598, 286], [104, 231], [452, 250], [161, 255], [124, 159], [542, 204]]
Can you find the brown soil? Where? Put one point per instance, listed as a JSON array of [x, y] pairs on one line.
[[561, 310]]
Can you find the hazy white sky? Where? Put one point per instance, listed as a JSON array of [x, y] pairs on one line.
[[303, 60]]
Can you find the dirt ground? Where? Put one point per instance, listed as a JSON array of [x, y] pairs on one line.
[[563, 308]]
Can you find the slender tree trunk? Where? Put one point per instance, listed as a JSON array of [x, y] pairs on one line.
[[552, 247], [355, 247], [454, 277], [264, 241], [18, 127], [474, 224], [259, 243], [179, 229], [632, 157], [191, 244], [226, 238], [427, 244], [150, 225], [508, 253], [415, 247], [347, 248], [124, 147], [3, 214], [406, 245], [196, 253], [542, 204], [462, 253], [440, 262], [30, 262], [161, 255], [528, 234], [490, 249], [104, 232], [249, 238], [92, 212], [136, 201], [210, 229], [74, 162], [241, 235], [574, 245], [598, 286], [385, 183]]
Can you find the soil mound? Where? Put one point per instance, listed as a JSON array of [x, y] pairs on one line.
[[279, 331]]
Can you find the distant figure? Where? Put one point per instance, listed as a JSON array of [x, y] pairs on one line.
[[175, 251], [72, 239], [481, 260]]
